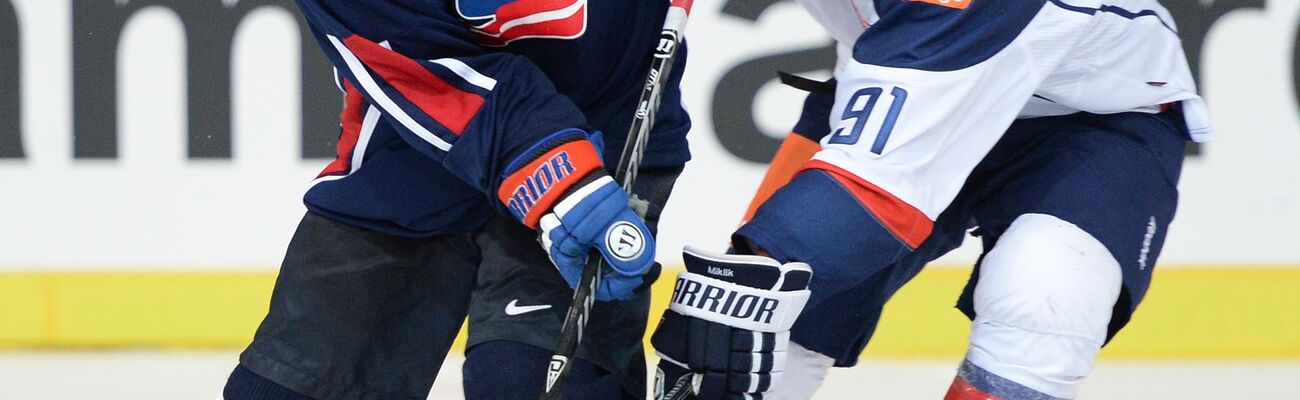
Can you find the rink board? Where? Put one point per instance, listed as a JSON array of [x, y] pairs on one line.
[[1229, 312]]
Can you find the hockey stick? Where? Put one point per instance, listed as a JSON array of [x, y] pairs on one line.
[[633, 151]]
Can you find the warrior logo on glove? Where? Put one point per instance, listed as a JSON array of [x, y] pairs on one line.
[[726, 332], [624, 240], [560, 188]]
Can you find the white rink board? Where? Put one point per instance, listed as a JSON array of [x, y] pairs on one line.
[[153, 208]]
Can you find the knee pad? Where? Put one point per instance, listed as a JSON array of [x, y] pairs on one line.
[[805, 370], [1043, 304]]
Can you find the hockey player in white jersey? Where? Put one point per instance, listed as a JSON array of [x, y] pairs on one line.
[[1055, 128]]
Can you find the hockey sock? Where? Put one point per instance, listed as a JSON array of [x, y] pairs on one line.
[[504, 369], [246, 385], [975, 383]]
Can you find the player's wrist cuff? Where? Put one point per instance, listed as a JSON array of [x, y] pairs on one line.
[[541, 175], [735, 305]]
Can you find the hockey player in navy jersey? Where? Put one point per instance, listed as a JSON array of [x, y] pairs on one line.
[[470, 184], [1055, 128]]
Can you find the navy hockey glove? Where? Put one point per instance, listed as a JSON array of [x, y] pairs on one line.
[[560, 188], [727, 327]]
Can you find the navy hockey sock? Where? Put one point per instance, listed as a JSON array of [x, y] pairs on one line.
[[503, 369], [246, 385]]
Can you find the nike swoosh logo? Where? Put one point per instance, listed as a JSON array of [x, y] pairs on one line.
[[515, 309]]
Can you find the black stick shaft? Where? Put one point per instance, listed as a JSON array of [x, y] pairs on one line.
[[633, 151]]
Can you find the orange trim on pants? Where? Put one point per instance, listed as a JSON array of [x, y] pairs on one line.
[[794, 152], [907, 223]]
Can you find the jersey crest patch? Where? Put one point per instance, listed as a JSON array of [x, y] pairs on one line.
[[958, 4], [499, 22]]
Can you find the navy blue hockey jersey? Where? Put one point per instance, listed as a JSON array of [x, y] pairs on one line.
[[441, 95]]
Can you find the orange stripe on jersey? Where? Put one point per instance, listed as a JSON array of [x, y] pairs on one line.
[[354, 106], [794, 152], [958, 4], [961, 390], [907, 223]]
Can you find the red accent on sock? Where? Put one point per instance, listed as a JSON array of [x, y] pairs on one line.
[[962, 390]]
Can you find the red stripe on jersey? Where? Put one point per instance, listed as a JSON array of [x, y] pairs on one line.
[[907, 223], [962, 390], [354, 111], [451, 107]]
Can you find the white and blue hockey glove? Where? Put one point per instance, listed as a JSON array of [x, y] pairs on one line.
[[727, 327], [562, 190]]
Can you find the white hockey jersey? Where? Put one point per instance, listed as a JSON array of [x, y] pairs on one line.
[[926, 87]]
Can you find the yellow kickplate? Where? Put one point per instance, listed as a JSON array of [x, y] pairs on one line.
[[1221, 312], [111, 309]]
